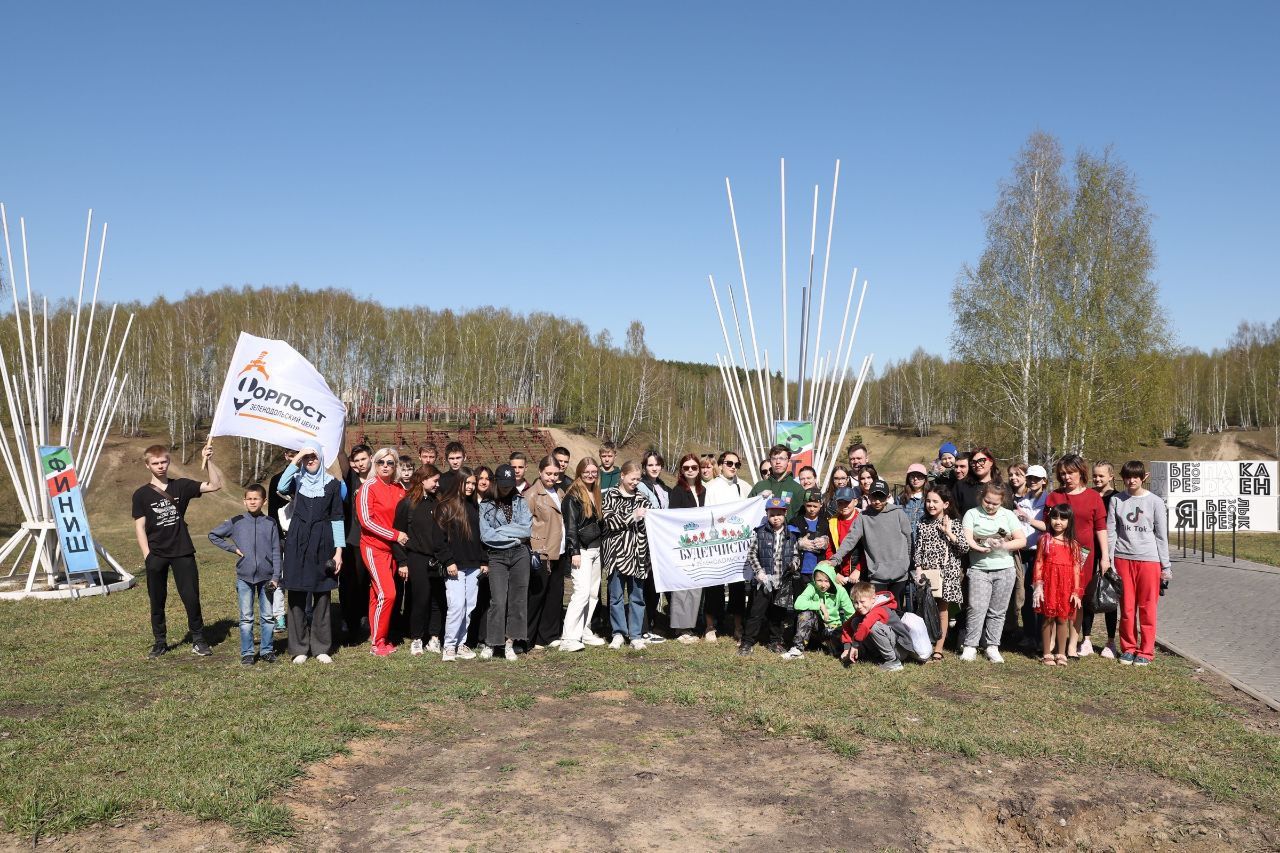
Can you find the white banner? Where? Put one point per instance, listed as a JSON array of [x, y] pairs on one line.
[[273, 394], [1217, 495], [706, 546]]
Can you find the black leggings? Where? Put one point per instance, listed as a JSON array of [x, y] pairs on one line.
[[187, 580], [426, 599], [1086, 623]]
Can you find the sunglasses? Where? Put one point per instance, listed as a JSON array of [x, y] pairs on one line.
[[689, 468], [730, 463], [387, 462]]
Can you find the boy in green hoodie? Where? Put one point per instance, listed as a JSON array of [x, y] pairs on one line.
[[823, 607]]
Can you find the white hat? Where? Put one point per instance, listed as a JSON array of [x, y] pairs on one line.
[[1038, 471]]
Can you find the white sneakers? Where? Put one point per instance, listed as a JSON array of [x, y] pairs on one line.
[[1086, 647], [792, 654], [572, 646], [486, 652], [709, 637], [1108, 651], [323, 658], [510, 652], [465, 653], [590, 639], [415, 648], [993, 654], [449, 654], [970, 653], [638, 644], [687, 638], [434, 646], [617, 641]]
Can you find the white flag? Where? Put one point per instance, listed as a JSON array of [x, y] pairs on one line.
[[705, 546], [273, 394]]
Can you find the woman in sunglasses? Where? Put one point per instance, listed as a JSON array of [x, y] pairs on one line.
[[687, 494], [724, 489], [376, 510]]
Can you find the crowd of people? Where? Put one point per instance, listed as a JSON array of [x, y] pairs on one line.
[[469, 562]]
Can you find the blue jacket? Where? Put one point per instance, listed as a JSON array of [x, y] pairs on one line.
[[497, 533], [257, 537]]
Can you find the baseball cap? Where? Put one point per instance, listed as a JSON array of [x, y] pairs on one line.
[[813, 496], [777, 502], [844, 494], [504, 476], [917, 468], [879, 487], [1038, 471]]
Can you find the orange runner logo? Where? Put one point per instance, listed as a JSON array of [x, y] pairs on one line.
[[259, 364]]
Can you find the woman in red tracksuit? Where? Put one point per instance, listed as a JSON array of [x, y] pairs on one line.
[[376, 510]]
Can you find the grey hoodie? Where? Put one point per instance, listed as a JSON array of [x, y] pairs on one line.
[[258, 539], [1136, 528], [886, 538]]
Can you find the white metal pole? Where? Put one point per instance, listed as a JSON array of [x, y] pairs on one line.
[[746, 292], [822, 302], [88, 337], [732, 365], [786, 370], [808, 301], [853, 336], [72, 336], [733, 405], [756, 395], [824, 402], [848, 415]]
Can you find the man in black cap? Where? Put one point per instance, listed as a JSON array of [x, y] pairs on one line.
[[885, 533]]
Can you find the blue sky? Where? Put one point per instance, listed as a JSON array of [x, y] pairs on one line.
[[571, 157]]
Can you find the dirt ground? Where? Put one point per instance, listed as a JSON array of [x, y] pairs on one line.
[[605, 772]]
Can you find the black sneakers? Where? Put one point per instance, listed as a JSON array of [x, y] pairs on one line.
[[158, 649], [246, 660], [201, 648], [267, 657]]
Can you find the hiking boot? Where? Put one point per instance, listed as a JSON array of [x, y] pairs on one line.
[[201, 648], [159, 648]]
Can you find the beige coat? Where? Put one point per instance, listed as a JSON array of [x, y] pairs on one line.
[[548, 521]]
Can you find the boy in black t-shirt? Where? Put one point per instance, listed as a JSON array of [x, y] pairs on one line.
[[159, 513]]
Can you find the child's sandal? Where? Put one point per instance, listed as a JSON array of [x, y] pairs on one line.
[[936, 656], [1062, 660], [1048, 660]]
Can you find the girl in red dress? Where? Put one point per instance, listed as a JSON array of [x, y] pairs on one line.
[[1056, 592]]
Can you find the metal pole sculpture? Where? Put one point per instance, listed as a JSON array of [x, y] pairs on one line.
[[53, 553], [820, 378]]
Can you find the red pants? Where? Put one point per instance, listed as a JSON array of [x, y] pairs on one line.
[[382, 591], [1140, 581]]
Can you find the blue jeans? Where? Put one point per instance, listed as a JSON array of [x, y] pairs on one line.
[[461, 593], [626, 605], [248, 592]]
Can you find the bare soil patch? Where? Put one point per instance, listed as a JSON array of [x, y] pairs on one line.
[[604, 772]]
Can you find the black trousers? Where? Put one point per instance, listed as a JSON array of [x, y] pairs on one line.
[[896, 587], [546, 601], [719, 609], [426, 599], [314, 637], [187, 579], [762, 611], [475, 629], [353, 594]]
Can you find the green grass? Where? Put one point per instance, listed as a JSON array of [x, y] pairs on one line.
[[1259, 547], [91, 732]]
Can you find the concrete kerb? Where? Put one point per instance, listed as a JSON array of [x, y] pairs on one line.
[[1270, 702]]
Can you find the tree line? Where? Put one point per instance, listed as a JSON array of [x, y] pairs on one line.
[[1058, 339]]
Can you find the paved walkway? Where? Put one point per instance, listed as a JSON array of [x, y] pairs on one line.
[[1226, 616]]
